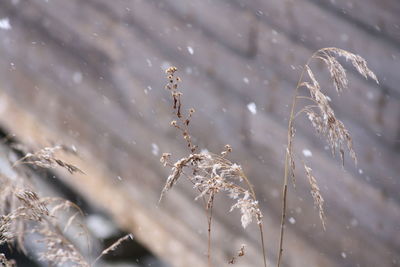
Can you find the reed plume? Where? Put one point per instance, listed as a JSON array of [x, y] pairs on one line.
[[322, 118]]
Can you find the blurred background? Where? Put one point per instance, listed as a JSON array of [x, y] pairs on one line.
[[92, 73]]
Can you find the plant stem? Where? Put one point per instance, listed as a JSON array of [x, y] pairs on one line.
[[262, 244], [250, 186], [285, 178], [209, 238]]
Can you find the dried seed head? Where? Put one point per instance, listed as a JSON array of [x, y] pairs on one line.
[[171, 70], [5, 262], [45, 158], [316, 194], [212, 174]]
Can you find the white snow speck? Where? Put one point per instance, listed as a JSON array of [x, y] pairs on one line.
[[5, 24], [100, 226], [252, 108], [73, 147], [292, 220], [246, 80], [165, 65], [275, 193], [149, 63], [190, 50], [354, 222], [188, 70], [154, 149], [77, 77], [360, 171], [344, 37], [343, 255], [204, 151], [119, 178], [307, 153]]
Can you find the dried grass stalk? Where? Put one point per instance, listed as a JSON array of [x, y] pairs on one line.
[[4, 262], [59, 250], [239, 254], [46, 158], [209, 173], [114, 246], [24, 212], [316, 195], [322, 118]]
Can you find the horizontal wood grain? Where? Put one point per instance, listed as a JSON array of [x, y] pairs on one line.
[[90, 73]]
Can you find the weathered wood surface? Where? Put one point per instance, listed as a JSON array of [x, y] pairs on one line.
[[88, 73]]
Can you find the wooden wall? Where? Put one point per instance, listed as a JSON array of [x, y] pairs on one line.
[[90, 73]]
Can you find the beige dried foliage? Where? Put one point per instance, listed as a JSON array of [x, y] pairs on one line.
[[322, 118], [46, 158], [114, 246], [4, 262], [209, 173], [59, 250], [24, 212], [316, 195], [241, 252]]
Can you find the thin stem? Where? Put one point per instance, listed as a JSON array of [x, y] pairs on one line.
[[307, 97], [262, 244], [280, 252], [209, 237], [285, 178]]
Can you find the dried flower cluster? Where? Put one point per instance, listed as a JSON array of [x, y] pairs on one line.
[[212, 174], [209, 173], [239, 254], [182, 123]]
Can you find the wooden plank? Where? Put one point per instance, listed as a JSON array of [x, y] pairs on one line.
[[331, 31], [271, 54], [220, 74], [107, 124], [380, 18]]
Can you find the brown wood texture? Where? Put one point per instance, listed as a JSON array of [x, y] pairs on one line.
[[89, 73]]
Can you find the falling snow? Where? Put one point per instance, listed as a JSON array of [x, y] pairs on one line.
[[5, 24], [154, 149], [292, 220], [100, 226], [252, 108], [77, 77], [149, 63], [190, 50], [307, 153]]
